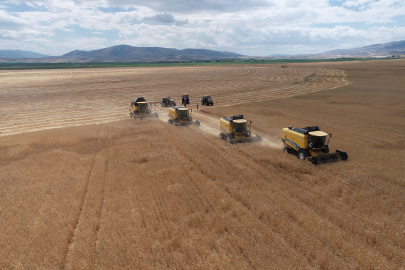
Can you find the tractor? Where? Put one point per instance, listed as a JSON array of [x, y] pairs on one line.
[[185, 100], [207, 100], [166, 102]]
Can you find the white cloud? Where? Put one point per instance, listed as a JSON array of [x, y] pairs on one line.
[[356, 3], [161, 18], [248, 27], [8, 21]]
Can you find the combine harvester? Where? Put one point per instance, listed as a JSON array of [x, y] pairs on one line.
[[139, 108], [310, 144], [181, 116], [234, 130]]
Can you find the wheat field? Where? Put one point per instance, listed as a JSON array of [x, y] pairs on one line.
[[82, 186]]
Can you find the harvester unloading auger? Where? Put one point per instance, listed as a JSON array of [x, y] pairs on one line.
[[310, 144], [234, 130]]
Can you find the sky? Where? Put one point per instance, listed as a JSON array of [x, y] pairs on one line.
[[254, 27]]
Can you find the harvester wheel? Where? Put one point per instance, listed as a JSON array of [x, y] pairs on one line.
[[221, 136], [302, 154], [287, 150], [170, 121], [130, 115]]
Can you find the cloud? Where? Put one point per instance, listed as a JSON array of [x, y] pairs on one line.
[[161, 18], [165, 18], [258, 27], [181, 22], [356, 3], [11, 22], [193, 6]]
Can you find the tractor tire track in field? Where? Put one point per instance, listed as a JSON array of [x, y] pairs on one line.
[[73, 237], [80, 254]]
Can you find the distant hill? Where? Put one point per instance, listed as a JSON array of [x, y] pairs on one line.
[[20, 54], [384, 49], [129, 53], [278, 55], [390, 48]]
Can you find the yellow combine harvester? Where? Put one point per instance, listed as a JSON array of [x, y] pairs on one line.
[[180, 116], [139, 108], [310, 144], [234, 130]]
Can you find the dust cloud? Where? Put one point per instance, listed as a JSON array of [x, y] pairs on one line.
[[272, 143]]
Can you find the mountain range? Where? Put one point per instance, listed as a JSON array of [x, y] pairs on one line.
[[126, 53], [123, 53], [20, 54], [384, 49]]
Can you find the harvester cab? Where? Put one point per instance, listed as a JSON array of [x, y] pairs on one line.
[[139, 108], [207, 100], [181, 116], [235, 130], [310, 144], [166, 102], [185, 100]]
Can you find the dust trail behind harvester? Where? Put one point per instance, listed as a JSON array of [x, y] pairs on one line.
[[271, 142], [162, 112], [211, 125], [208, 124], [206, 127]]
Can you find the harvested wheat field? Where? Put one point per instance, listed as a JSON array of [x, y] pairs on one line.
[[82, 186]]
